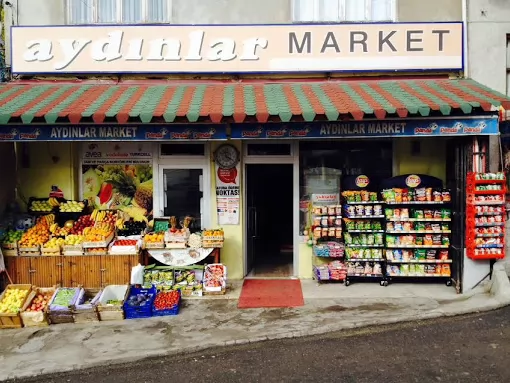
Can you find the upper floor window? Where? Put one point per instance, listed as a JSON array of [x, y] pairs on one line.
[[118, 11], [343, 10]]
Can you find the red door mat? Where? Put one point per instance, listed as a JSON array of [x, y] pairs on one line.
[[259, 293]]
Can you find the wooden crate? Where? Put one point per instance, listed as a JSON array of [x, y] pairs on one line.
[[29, 251], [40, 318], [50, 252], [13, 320], [10, 249], [85, 313]]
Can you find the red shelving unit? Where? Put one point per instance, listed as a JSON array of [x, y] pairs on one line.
[[485, 215]]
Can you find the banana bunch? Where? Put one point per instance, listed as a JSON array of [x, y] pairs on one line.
[[54, 228], [120, 224], [106, 226], [98, 215], [50, 219], [53, 202]]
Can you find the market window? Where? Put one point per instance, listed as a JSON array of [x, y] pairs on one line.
[[325, 165], [269, 149], [118, 11], [343, 10], [184, 195]]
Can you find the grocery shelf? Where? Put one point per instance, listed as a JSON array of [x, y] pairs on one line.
[[435, 261], [495, 246], [419, 219], [365, 217], [489, 203], [419, 232], [490, 224], [489, 192], [419, 203], [366, 275], [418, 247], [365, 260], [490, 235], [365, 203], [365, 231], [364, 246], [419, 276]]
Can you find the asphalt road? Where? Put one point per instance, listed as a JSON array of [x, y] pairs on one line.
[[474, 348]]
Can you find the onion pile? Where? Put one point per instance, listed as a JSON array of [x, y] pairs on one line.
[[195, 241]]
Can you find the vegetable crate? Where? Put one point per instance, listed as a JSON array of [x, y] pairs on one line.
[[36, 318], [215, 279], [110, 302], [13, 320], [60, 312], [168, 312], [84, 310], [10, 249], [135, 306]]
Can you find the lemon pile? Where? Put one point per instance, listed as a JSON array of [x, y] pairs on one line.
[[12, 301]]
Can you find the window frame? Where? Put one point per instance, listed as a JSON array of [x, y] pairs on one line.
[[342, 13], [184, 162], [96, 20]]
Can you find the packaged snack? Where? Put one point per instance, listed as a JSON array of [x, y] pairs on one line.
[[390, 226], [359, 210], [435, 227], [438, 270], [331, 210], [377, 269], [378, 210], [428, 214], [388, 213], [365, 196], [373, 196], [404, 269], [437, 196], [421, 194], [431, 254], [420, 254], [428, 240], [360, 225], [436, 240], [404, 213], [443, 255], [420, 269], [338, 232], [317, 232], [446, 214], [348, 238], [369, 210], [377, 253], [338, 221], [357, 196], [412, 269], [419, 226], [407, 226], [378, 239], [370, 239], [376, 225], [367, 225], [364, 239], [332, 232], [419, 214], [394, 270], [446, 196], [317, 210], [396, 213], [445, 270], [430, 269], [331, 220], [445, 227], [389, 255], [391, 240], [324, 221], [325, 232], [316, 220], [398, 195], [399, 226], [406, 255], [368, 268], [398, 255], [350, 211], [411, 195], [405, 195], [338, 210], [419, 241], [445, 240]]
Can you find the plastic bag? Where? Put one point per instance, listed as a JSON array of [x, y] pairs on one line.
[[137, 275]]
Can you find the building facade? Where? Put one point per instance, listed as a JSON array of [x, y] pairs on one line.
[[271, 114]]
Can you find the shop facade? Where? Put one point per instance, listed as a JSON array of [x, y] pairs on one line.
[[240, 155]]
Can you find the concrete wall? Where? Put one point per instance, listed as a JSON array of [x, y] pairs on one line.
[[488, 26], [430, 10]]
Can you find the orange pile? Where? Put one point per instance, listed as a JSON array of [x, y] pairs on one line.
[[36, 235], [154, 238]]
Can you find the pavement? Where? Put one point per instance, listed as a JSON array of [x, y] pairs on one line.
[[467, 349], [216, 322]]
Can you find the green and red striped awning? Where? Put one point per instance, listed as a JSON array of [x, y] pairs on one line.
[[215, 102]]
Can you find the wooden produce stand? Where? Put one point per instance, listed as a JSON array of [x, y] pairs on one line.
[[89, 271]]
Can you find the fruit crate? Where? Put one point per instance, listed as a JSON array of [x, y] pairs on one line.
[[51, 252], [136, 312], [63, 217], [59, 313], [29, 251], [86, 312], [104, 243], [36, 318], [10, 249], [37, 213], [207, 244], [13, 320], [153, 245], [72, 250], [168, 312], [108, 312]]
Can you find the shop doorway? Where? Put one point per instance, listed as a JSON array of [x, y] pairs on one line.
[[269, 220]]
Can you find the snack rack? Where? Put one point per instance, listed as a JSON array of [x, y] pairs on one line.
[[328, 249], [418, 231], [485, 215], [364, 236]]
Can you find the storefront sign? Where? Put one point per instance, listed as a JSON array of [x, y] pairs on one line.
[[228, 193], [174, 132], [236, 48], [379, 128], [326, 198]]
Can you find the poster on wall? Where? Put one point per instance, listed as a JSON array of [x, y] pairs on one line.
[[228, 192], [118, 176]]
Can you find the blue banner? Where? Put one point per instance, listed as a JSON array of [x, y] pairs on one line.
[[360, 129], [107, 132]]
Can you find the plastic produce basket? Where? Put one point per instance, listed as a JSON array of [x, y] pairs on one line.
[[145, 311], [168, 312]]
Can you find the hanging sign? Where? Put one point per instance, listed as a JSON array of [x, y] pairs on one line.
[[360, 129], [179, 257], [172, 132], [362, 181]]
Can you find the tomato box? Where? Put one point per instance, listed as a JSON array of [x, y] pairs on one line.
[[165, 299]]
